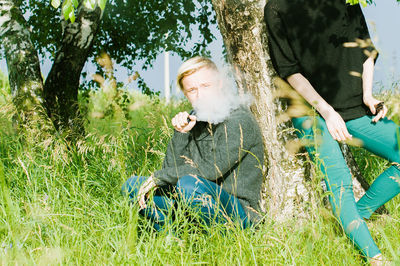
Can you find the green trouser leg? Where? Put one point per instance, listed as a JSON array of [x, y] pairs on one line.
[[381, 138], [328, 156]]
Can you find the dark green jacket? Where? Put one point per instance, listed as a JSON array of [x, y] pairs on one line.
[[230, 154]]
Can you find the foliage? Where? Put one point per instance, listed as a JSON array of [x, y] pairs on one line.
[[4, 89], [112, 99], [363, 2], [69, 6], [392, 99], [164, 25], [61, 204], [130, 30]]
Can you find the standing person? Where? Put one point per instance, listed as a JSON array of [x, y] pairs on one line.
[[311, 43], [214, 158]]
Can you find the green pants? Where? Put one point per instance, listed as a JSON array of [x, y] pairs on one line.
[[381, 138]]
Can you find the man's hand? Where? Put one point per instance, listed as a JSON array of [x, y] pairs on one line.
[[148, 185], [372, 104], [183, 122], [336, 126]]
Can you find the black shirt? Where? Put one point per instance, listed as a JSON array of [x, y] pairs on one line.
[[308, 36]]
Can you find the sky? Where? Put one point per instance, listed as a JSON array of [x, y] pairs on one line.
[[383, 22], [382, 19]]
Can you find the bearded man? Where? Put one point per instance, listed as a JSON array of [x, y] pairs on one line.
[[214, 160]]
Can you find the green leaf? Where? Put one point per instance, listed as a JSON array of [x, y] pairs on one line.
[[364, 3], [102, 4], [75, 3], [67, 9], [72, 16], [90, 3], [55, 3]]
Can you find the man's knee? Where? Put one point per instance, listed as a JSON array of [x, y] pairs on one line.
[[188, 185], [132, 185]]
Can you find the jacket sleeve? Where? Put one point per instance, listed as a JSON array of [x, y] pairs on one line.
[[280, 50], [175, 148], [230, 143]]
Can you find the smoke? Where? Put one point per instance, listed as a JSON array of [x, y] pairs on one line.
[[215, 108]]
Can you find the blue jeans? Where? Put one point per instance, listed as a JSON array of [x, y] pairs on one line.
[[209, 199], [382, 139]]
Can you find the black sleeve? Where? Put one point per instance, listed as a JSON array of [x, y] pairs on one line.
[[282, 56], [361, 30]]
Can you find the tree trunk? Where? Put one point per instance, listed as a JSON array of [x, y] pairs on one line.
[[242, 26], [23, 70], [62, 83]]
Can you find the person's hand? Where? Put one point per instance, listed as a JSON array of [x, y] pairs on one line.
[[180, 122], [148, 185], [336, 126], [376, 107]]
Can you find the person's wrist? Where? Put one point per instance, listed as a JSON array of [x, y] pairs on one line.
[[367, 98], [152, 181], [326, 111], [181, 132]]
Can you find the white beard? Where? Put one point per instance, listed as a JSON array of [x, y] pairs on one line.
[[216, 109], [213, 110]]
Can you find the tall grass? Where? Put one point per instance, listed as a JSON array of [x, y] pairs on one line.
[[62, 205]]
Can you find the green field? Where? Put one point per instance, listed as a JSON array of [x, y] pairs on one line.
[[61, 204]]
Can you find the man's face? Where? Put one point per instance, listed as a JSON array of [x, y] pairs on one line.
[[202, 84]]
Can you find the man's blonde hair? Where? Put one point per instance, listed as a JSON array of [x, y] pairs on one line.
[[192, 65]]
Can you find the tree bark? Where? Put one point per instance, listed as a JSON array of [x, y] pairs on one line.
[[62, 83], [23, 70], [242, 26]]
